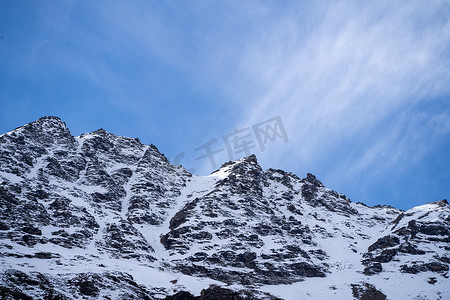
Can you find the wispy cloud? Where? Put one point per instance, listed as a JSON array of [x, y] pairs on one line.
[[354, 82], [346, 71], [404, 142]]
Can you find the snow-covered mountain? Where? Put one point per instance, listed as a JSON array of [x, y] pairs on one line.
[[104, 216]]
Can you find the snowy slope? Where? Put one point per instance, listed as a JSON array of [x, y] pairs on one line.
[[104, 216]]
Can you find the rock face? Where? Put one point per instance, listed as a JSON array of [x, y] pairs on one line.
[[417, 241], [104, 216]]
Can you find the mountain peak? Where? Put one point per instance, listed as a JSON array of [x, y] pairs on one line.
[[43, 130], [50, 122], [100, 131], [50, 118], [251, 159], [436, 204], [441, 203], [312, 179], [236, 166]]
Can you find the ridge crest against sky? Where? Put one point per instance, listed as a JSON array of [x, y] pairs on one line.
[[360, 89]]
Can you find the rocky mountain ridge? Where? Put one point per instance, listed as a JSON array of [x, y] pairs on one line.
[[104, 216]]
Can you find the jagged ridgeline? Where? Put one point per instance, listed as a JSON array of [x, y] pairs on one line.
[[101, 216]]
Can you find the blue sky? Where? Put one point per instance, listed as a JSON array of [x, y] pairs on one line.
[[362, 89]]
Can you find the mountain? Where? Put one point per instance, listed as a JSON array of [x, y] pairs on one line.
[[101, 216]]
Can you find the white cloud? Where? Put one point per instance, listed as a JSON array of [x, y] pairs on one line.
[[342, 72], [408, 139], [336, 72]]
